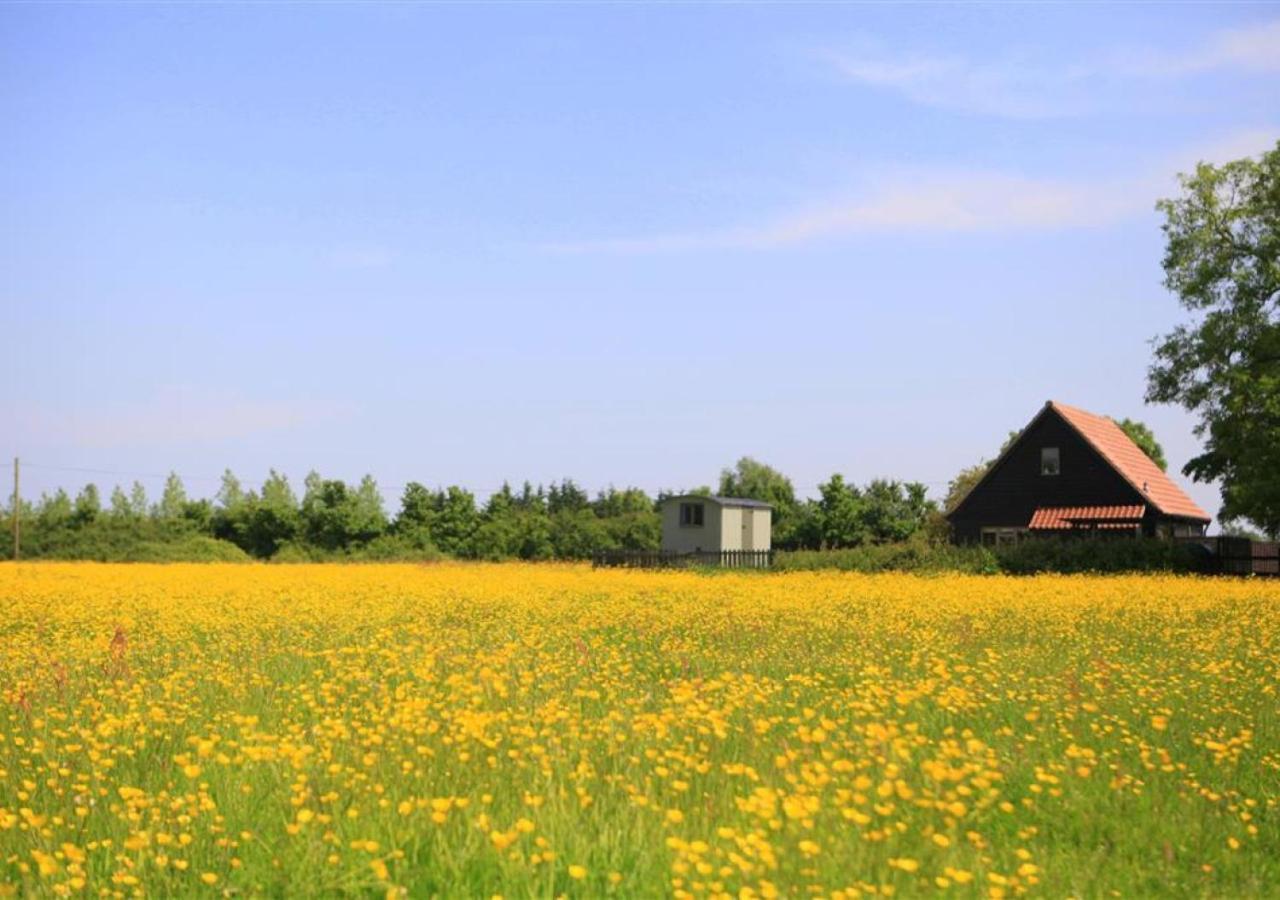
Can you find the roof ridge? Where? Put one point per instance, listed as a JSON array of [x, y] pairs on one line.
[[1148, 479]]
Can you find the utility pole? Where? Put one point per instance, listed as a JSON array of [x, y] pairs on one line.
[[17, 511]]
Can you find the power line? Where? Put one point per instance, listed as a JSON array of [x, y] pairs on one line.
[[115, 472]]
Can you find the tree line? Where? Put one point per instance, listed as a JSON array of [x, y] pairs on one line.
[[333, 519], [336, 520]]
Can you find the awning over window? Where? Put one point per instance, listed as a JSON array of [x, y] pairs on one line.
[[1063, 518]]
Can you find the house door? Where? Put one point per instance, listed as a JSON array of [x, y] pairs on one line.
[[748, 529]]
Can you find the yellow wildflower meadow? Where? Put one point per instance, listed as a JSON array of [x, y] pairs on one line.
[[522, 731]]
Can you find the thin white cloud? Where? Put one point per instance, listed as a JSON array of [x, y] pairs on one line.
[[1022, 88], [949, 201], [1010, 89], [914, 201], [1255, 49]]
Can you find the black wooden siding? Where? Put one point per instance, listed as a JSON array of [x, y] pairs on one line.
[[1015, 489]]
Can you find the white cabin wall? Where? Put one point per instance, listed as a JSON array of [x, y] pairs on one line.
[[677, 538]]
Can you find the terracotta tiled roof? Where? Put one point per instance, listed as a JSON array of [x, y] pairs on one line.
[[1055, 518], [1128, 459]]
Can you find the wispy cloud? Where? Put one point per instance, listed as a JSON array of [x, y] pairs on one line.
[[948, 201], [1012, 89], [1023, 88], [1254, 49]]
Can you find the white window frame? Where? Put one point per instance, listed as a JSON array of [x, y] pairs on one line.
[[1001, 536]]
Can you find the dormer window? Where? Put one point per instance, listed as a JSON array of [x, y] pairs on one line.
[[691, 515], [1049, 464]]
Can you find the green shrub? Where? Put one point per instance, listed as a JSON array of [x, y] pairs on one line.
[[196, 548], [904, 556], [1073, 555], [395, 548], [386, 548], [1065, 555], [128, 542], [295, 552]]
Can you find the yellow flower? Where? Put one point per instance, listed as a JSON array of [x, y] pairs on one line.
[[45, 863], [577, 872], [763, 720], [209, 878]]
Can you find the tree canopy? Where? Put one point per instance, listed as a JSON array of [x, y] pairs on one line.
[[1142, 435], [753, 480], [1222, 260], [334, 519]]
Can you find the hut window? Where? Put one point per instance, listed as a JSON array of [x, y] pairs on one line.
[[1049, 461], [691, 515]]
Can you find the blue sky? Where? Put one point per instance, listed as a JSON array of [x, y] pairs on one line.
[[628, 244]]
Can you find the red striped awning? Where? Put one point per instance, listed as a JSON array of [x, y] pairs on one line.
[[1060, 518]]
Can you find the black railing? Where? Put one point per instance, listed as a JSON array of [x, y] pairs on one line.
[[671, 559]]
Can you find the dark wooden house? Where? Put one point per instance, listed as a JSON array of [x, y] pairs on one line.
[[1070, 471]]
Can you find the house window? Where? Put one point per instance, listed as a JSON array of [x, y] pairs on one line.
[[691, 515], [1049, 464], [1002, 537]]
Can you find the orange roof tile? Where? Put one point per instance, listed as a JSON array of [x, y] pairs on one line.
[[1054, 518], [1128, 459]]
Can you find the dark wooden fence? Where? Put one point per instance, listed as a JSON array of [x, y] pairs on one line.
[[1240, 556], [670, 559]]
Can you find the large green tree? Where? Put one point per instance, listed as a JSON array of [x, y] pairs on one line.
[[894, 510], [454, 520], [753, 480], [335, 517], [173, 500], [121, 508], [1222, 259], [88, 505], [840, 510], [1142, 435], [270, 520]]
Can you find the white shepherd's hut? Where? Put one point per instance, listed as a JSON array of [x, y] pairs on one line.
[[694, 523]]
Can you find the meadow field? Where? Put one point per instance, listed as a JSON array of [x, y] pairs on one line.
[[533, 731]]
